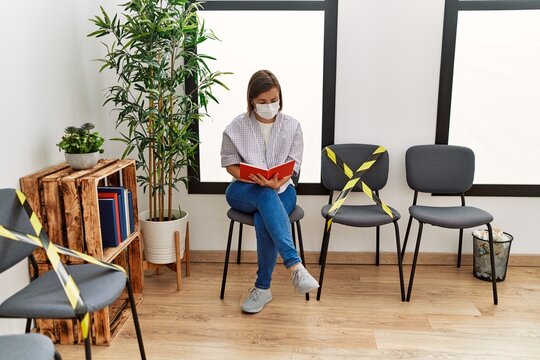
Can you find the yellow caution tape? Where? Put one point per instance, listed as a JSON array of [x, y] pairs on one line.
[[355, 177], [68, 283]]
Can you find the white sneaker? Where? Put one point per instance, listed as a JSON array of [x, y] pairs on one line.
[[303, 281], [256, 301]]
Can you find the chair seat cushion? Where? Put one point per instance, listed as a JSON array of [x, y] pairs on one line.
[[453, 217], [26, 347], [45, 297], [296, 215], [361, 215], [240, 217]]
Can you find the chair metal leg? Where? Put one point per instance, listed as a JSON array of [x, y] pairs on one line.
[[322, 245], [239, 253], [420, 227], [406, 237], [459, 248], [378, 231], [138, 331], [324, 253], [300, 242], [293, 235], [301, 246], [226, 265], [493, 271], [400, 264], [88, 343]]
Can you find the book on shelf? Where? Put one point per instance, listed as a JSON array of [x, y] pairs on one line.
[[130, 209], [119, 191], [109, 218], [282, 170], [118, 213], [126, 212]]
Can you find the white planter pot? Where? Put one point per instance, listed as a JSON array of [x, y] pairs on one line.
[[82, 161], [158, 237]]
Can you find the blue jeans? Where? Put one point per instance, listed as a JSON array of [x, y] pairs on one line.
[[272, 226]]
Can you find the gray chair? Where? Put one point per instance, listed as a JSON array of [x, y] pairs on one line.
[[334, 179], [44, 297], [27, 347], [444, 169], [247, 219]]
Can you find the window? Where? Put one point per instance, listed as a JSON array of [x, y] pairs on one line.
[[489, 98], [296, 40]]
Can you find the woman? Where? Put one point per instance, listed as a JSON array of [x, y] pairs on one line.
[[265, 137]]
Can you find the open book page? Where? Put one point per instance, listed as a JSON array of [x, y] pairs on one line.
[[282, 170]]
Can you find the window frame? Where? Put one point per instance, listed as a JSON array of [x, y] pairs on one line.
[[329, 7], [452, 8]]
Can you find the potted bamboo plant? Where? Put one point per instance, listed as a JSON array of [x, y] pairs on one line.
[[152, 49]]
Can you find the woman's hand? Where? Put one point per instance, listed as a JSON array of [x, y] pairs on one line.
[[273, 183], [234, 170]]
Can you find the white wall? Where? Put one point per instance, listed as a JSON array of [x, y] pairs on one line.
[[387, 83], [48, 82], [388, 61]]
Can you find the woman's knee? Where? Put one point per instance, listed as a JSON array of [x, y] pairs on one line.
[[266, 194]]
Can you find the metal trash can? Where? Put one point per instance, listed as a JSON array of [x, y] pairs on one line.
[[481, 258]]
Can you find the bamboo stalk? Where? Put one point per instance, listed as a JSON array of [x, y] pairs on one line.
[[162, 166], [171, 108], [170, 189], [151, 170], [159, 209], [150, 176], [162, 189]]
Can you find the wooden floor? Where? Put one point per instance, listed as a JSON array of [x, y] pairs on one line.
[[360, 316]]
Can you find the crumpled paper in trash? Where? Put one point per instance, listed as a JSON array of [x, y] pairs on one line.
[[498, 234]]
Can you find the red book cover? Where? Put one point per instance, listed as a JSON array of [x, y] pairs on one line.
[[282, 170], [115, 197]]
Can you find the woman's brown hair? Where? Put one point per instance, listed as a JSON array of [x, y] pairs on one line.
[[261, 81]]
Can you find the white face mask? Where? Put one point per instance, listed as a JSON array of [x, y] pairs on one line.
[[267, 111]]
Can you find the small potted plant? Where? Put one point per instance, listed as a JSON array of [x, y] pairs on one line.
[[81, 146]]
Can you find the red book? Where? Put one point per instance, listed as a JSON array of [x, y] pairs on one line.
[[282, 170], [115, 197]]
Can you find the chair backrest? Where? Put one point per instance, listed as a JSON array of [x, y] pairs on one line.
[[354, 155], [13, 216], [440, 168], [295, 179]]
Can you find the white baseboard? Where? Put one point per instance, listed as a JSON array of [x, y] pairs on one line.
[[363, 258]]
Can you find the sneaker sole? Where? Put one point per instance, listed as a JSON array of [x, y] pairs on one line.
[[257, 310]]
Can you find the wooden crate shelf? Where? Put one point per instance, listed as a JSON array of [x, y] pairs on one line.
[[66, 202], [109, 254]]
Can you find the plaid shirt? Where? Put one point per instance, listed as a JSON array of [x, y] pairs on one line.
[[243, 141]]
